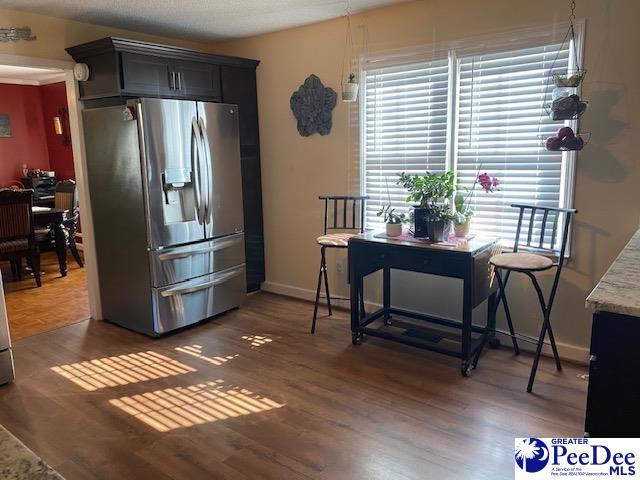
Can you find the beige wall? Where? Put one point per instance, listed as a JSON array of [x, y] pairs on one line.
[[55, 34], [296, 170]]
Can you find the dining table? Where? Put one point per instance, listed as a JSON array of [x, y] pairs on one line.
[[54, 218]]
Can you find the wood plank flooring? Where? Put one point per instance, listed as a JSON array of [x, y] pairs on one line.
[[60, 301], [253, 395]]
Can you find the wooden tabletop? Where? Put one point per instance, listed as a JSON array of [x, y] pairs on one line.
[[471, 246]]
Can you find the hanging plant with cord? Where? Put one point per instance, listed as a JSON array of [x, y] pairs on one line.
[[349, 85]]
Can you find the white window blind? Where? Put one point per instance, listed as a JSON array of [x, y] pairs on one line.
[[496, 104], [499, 124], [405, 129]]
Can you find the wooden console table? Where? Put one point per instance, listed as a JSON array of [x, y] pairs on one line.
[[469, 262]]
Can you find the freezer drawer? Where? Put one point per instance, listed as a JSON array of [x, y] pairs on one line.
[[173, 265], [189, 302]]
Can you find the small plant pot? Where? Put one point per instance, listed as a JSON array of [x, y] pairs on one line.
[[438, 231], [349, 92], [420, 221], [461, 230], [394, 229]]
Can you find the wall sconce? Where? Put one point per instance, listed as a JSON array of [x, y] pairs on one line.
[[60, 127]]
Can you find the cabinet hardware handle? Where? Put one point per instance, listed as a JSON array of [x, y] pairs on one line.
[[593, 358], [179, 75]]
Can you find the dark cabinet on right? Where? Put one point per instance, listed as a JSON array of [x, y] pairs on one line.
[[239, 87], [613, 399]]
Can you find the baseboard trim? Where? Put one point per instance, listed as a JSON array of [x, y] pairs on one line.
[[572, 353]]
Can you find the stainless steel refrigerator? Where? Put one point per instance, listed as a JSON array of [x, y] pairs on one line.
[[166, 199]]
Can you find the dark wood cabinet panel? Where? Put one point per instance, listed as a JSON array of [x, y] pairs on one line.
[[198, 80], [239, 87], [614, 379], [121, 68], [146, 75], [253, 223]]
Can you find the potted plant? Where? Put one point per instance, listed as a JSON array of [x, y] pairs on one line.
[[393, 220], [430, 195], [464, 212], [350, 89], [462, 218]]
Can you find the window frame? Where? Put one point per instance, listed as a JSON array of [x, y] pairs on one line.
[[494, 43]]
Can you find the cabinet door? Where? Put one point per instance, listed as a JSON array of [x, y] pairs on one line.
[[199, 81], [253, 224], [239, 87], [146, 75], [614, 382]]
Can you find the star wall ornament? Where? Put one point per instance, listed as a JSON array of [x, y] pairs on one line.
[[312, 105]]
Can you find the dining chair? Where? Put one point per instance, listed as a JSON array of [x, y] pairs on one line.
[[17, 238], [344, 216], [65, 199], [542, 247]]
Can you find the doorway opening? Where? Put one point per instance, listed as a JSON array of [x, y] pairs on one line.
[[37, 155]]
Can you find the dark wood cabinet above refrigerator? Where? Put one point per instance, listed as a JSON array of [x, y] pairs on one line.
[[121, 68]]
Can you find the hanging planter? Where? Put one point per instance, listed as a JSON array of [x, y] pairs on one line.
[[569, 78], [350, 85], [565, 140], [350, 89]]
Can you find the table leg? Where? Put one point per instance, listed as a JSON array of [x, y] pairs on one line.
[[386, 294], [355, 282], [467, 320], [61, 248]]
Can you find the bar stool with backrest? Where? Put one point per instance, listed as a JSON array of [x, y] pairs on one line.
[[345, 215], [541, 250]]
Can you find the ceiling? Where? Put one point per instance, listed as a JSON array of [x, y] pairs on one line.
[[30, 76], [201, 20]]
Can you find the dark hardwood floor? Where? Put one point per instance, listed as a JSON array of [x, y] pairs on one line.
[[253, 395]]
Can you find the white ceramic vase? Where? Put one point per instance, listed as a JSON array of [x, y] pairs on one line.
[[349, 92], [394, 229]]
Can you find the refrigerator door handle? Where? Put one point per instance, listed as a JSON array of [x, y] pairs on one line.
[[222, 278], [213, 248], [209, 169], [196, 167]]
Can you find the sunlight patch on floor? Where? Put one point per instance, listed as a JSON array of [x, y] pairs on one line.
[[196, 351], [257, 340], [121, 370], [181, 407]]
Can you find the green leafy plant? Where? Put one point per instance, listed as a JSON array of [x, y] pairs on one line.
[[352, 77], [431, 191], [390, 216]]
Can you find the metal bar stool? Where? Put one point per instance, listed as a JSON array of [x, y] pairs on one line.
[[532, 256], [342, 212]]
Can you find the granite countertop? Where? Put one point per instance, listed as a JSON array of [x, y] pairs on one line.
[[17, 462], [619, 290]]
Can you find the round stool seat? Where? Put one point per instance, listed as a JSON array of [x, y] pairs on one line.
[[335, 239], [523, 262]]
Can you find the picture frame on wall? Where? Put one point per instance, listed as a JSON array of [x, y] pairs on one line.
[[5, 126]]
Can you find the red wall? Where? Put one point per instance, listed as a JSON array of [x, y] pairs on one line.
[[54, 97], [28, 142], [33, 139]]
